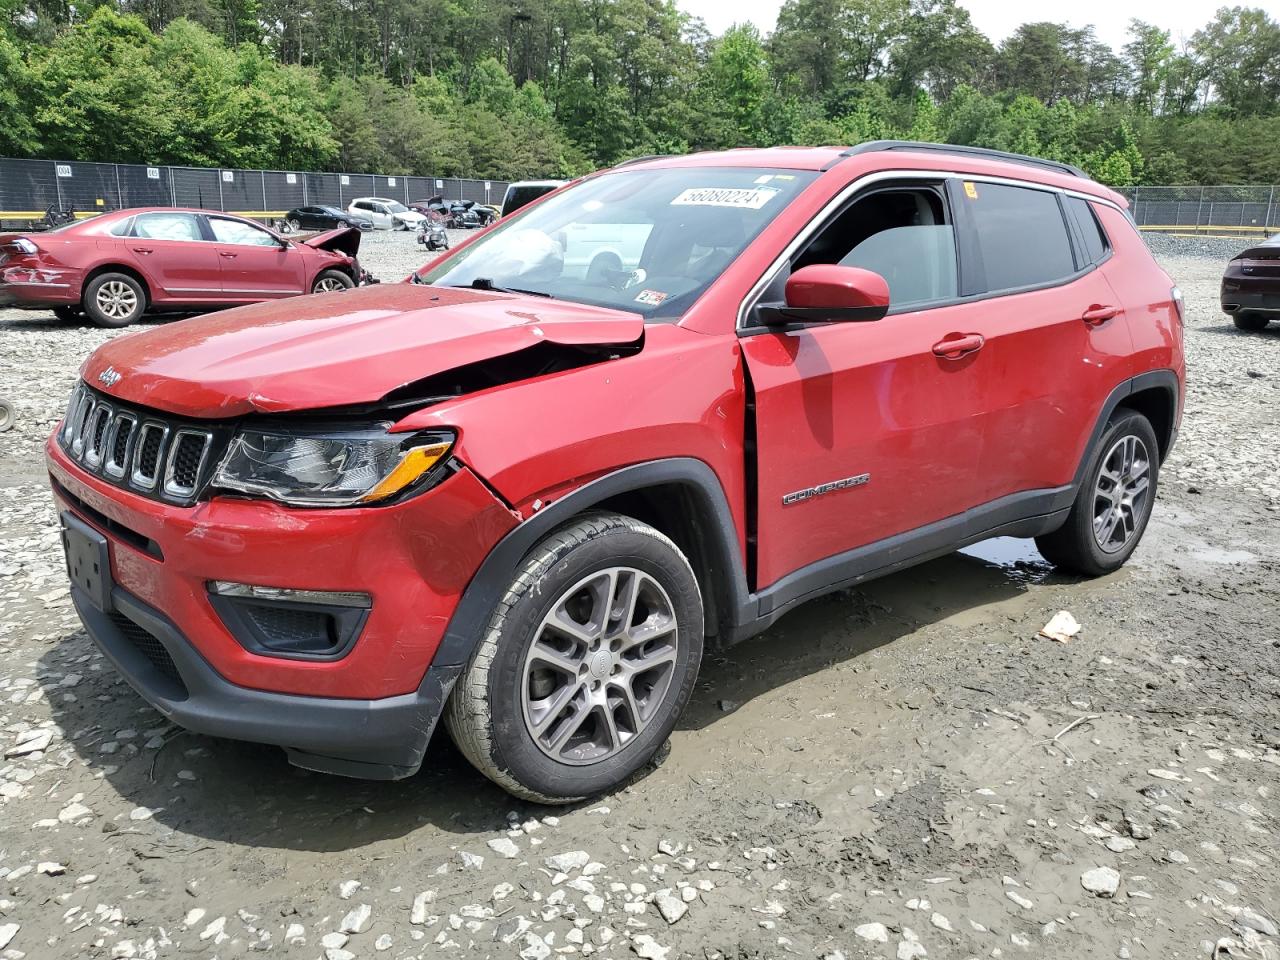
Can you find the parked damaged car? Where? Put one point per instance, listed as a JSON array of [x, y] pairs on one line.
[[117, 267], [650, 414], [1251, 286]]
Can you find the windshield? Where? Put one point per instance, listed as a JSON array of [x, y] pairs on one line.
[[648, 241]]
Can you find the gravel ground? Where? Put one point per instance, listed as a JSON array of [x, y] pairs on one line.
[[902, 770]]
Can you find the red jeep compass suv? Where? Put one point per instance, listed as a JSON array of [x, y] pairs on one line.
[[658, 407]]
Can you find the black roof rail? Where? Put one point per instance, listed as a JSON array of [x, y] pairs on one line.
[[875, 146], [651, 156]]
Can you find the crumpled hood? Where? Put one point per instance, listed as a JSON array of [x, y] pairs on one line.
[[341, 240], [336, 349]]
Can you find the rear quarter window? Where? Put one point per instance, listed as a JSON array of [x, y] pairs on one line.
[[1095, 241], [1021, 235]]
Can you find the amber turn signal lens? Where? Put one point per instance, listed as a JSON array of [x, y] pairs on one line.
[[415, 463]]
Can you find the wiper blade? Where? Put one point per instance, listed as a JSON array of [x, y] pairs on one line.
[[485, 283]]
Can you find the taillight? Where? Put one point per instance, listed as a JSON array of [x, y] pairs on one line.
[[1179, 305], [19, 245]]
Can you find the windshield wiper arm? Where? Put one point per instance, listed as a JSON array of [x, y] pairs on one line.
[[486, 283]]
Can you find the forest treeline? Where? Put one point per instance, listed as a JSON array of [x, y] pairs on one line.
[[502, 89]]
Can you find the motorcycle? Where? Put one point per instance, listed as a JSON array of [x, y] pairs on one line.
[[53, 217], [432, 235]]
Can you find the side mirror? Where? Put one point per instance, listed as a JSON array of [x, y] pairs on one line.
[[829, 293]]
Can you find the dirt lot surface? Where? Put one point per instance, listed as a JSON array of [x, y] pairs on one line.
[[902, 770]]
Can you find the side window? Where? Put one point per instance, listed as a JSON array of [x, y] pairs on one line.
[[167, 226], [233, 231], [362, 205], [1021, 235], [1095, 241], [901, 233]]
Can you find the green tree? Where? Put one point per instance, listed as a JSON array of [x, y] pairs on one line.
[[99, 97]]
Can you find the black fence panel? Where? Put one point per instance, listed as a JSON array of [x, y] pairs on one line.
[[284, 191], [144, 186], [419, 188], [28, 187], [88, 187], [358, 185], [196, 188], [241, 190]]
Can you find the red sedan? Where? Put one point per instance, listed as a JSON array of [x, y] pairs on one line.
[[118, 266]]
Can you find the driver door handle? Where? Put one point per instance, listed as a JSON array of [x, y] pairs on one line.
[[229, 256], [956, 346], [142, 250], [1099, 314]]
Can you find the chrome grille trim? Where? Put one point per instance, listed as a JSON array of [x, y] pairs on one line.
[[96, 425], [110, 466], [171, 486], [137, 477], [94, 439]]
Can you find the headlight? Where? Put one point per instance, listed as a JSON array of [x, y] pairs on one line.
[[330, 468]]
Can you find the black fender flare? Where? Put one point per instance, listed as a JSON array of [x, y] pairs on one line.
[[1165, 380], [475, 608]]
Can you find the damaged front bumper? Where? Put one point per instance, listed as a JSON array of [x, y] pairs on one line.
[[383, 739]]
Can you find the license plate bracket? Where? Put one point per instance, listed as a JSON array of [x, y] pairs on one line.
[[88, 560]]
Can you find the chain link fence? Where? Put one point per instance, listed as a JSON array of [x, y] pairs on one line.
[[29, 187], [1235, 210]]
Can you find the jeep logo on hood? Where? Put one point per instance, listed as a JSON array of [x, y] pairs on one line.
[[110, 377]]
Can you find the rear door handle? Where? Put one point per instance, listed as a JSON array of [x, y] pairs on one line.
[[142, 250], [1099, 314], [957, 345]]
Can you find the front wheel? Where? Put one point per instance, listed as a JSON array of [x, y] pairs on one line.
[[1114, 501], [114, 300], [1251, 321], [587, 662], [332, 280]]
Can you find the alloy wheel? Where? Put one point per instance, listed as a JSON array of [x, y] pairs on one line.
[[600, 665], [1120, 493], [328, 285], [116, 299]]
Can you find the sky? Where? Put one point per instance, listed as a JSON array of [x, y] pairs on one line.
[[998, 18]]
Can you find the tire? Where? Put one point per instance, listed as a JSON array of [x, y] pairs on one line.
[[69, 315], [293, 225], [1250, 321], [1075, 546], [331, 280], [492, 713], [114, 300]]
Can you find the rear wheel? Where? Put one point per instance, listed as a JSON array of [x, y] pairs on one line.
[[114, 300], [331, 280], [586, 664], [1114, 502], [1251, 321]]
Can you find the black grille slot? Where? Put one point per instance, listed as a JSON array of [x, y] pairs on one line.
[[148, 457], [100, 428], [149, 647], [186, 460], [117, 456]]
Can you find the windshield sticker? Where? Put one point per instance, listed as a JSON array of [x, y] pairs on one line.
[[651, 298], [742, 198], [970, 190], [764, 178]]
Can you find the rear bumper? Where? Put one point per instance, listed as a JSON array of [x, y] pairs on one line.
[[382, 739], [1242, 294], [37, 295]]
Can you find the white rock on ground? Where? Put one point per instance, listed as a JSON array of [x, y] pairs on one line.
[[504, 848], [567, 862], [648, 948], [875, 932], [357, 920], [7, 932], [1101, 881], [670, 906]]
